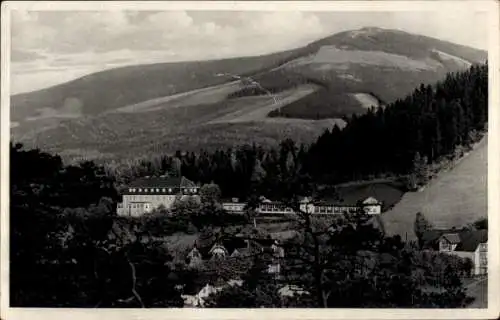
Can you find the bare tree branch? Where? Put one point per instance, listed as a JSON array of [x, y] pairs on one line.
[[134, 280]]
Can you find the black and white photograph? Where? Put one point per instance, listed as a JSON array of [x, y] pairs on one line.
[[249, 155]]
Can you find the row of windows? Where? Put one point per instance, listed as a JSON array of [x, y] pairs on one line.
[[148, 197], [234, 207], [157, 190], [332, 209], [281, 208], [274, 208], [135, 205]]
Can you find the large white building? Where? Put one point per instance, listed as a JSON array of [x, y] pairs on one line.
[[146, 194]]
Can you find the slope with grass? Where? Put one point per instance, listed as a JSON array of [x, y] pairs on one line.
[[454, 198], [139, 109]]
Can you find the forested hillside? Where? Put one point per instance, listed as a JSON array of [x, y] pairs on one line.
[[393, 141], [68, 248], [146, 109]]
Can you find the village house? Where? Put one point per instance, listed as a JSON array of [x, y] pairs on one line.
[[233, 205], [238, 249], [149, 193], [472, 244]]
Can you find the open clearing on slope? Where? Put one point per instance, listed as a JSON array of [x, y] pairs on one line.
[[342, 58], [258, 107], [454, 198], [213, 94], [366, 100], [459, 61]]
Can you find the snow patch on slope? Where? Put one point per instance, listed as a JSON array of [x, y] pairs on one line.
[[446, 56], [366, 100]]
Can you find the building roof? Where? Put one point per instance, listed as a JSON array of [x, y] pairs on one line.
[[453, 238], [470, 240], [431, 236], [218, 246], [231, 200], [370, 200], [162, 182], [194, 253], [386, 193], [291, 290]]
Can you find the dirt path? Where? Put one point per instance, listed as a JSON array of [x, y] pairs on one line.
[[479, 290], [257, 108]]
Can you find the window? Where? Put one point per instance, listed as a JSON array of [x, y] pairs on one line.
[[169, 189], [140, 190], [163, 190], [445, 245]]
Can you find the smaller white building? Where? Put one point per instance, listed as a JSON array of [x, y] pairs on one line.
[[233, 206]]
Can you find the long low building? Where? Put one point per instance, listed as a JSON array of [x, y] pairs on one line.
[[369, 205]]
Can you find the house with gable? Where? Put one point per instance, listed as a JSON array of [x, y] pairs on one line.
[[194, 257], [218, 251], [472, 244]]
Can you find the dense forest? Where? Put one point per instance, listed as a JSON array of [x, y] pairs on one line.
[[423, 128], [69, 249]]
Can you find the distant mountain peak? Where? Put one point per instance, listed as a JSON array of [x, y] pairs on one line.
[[368, 31]]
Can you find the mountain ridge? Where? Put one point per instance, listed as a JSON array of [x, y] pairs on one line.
[[330, 78]]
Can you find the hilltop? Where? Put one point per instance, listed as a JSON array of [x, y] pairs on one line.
[[169, 106]]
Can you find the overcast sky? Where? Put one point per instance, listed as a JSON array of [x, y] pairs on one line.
[[54, 47]]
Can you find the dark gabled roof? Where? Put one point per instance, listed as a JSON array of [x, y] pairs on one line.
[[241, 252], [383, 192], [452, 238], [162, 182], [469, 240], [430, 237]]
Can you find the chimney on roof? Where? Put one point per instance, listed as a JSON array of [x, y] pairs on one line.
[[235, 200]]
